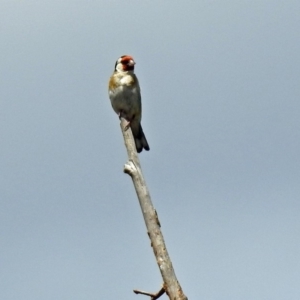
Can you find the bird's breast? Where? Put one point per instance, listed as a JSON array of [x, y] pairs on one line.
[[127, 80]]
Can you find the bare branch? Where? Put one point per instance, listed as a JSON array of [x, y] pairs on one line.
[[133, 168]]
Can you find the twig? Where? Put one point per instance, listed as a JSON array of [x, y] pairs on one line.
[[153, 296]]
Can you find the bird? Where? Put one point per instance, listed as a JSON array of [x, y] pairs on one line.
[[125, 96]]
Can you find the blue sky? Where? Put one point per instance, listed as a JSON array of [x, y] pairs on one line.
[[220, 91]]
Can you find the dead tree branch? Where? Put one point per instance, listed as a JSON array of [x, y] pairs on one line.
[[171, 285], [153, 296]]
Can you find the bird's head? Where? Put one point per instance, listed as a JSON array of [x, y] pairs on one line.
[[125, 63]]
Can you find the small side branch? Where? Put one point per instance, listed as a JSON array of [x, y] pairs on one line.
[[130, 168], [153, 296]]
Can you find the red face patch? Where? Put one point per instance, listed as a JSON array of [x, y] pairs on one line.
[[126, 61]]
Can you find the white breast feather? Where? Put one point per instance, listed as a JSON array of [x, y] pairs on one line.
[[126, 80]]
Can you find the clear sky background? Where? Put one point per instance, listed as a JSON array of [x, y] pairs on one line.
[[220, 90]]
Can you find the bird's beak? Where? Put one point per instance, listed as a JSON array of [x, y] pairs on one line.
[[131, 63]]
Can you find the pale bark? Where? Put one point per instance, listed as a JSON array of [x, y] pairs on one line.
[[171, 285]]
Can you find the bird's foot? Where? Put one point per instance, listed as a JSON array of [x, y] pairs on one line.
[[127, 126]]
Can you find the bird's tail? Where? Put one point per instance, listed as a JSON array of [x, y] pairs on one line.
[[140, 140]]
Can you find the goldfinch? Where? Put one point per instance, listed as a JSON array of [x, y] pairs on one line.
[[125, 96]]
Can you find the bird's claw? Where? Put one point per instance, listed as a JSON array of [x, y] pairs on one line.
[[127, 126]]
